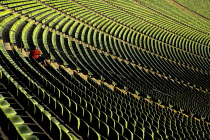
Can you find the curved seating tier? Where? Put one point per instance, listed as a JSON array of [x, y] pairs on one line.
[[192, 6], [143, 75]]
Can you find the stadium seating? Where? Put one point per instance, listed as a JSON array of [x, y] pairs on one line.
[[143, 75], [192, 7]]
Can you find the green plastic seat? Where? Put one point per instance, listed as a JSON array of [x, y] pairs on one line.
[[9, 111], [55, 129], [73, 136], [84, 129], [75, 122], [113, 134], [4, 103], [65, 133], [23, 129], [15, 119], [93, 134]]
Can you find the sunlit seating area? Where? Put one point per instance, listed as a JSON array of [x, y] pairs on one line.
[[116, 70]]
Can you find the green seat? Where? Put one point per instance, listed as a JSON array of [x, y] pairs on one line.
[[111, 121], [96, 111], [87, 116], [73, 136], [65, 133], [75, 122], [4, 103], [59, 108], [103, 116], [84, 129], [95, 122], [66, 114], [136, 137], [32, 105], [89, 106], [73, 106], [15, 119], [55, 130], [119, 127], [80, 111], [139, 131], [113, 134], [9, 111], [46, 120], [131, 127], [93, 135], [23, 129], [128, 134], [123, 121], [38, 109], [148, 136], [104, 129]]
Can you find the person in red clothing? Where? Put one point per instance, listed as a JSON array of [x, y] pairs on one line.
[[36, 54]]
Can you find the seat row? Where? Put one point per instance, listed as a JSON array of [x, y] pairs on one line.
[[113, 13], [113, 28], [110, 112], [193, 7], [46, 46], [12, 121], [132, 58], [36, 108], [146, 134]]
